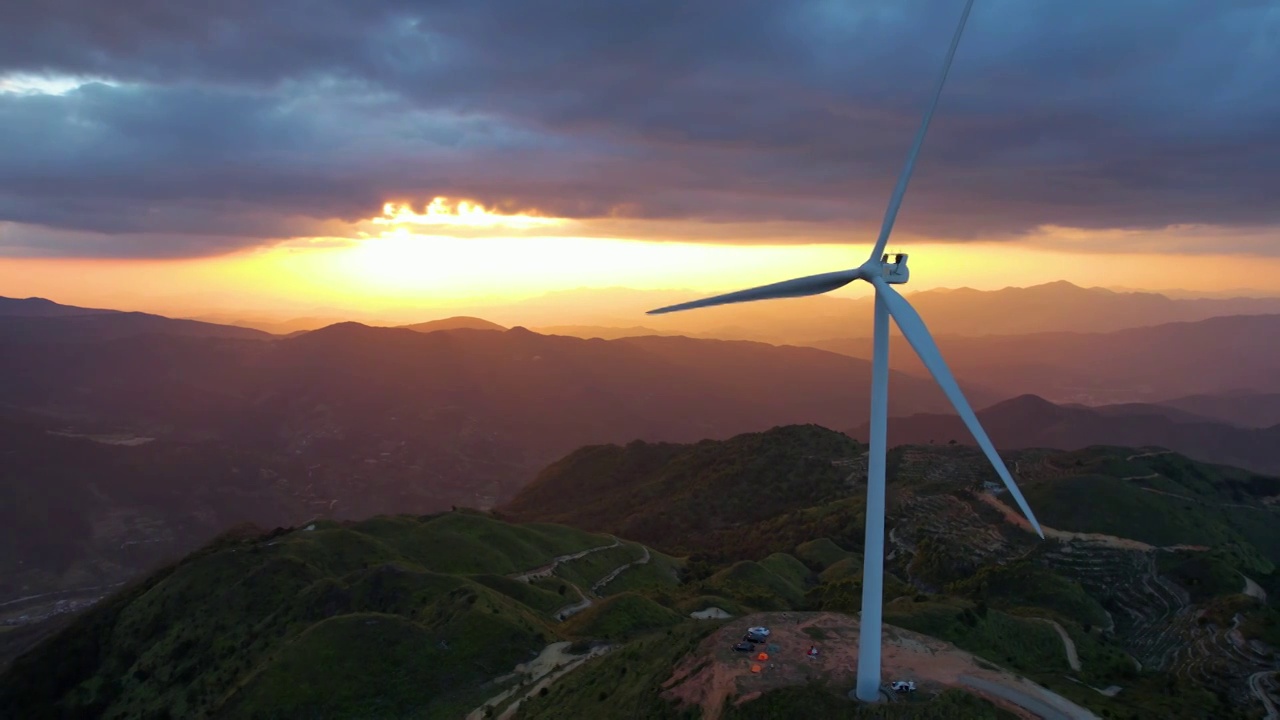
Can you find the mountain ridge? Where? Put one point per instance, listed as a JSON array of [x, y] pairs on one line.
[[1030, 421], [1059, 305], [1146, 364]]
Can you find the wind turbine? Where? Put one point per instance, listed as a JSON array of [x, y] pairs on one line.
[[883, 275]]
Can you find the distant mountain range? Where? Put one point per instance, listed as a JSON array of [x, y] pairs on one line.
[[654, 387], [1033, 422], [41, 307], [1214, 356], [1245, 408], [1228, 358], [1057, 306], [40, 320], [460, 322], [604, 332], [462, 412], [613, 312], [471, 413]]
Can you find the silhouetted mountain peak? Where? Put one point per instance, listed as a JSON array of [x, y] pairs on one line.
[[43, 307], [343, 327], [1028, 403], [350, 331], [458, 322]]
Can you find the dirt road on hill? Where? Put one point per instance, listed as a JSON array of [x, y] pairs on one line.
[[644, 559], [1256, 686], [1149, 454], [1067, 643], [546, 570]]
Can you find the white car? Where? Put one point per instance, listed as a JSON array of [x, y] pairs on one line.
[[903, 686], [761, 631]]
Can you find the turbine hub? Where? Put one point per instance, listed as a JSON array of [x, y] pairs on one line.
[[892, 267]]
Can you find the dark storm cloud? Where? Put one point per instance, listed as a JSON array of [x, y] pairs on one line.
[[240, 121]]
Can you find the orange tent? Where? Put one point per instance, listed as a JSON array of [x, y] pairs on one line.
[[755, 668], [762, 656]]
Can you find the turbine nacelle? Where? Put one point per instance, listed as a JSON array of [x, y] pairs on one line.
[[894, 271], [891, 267]]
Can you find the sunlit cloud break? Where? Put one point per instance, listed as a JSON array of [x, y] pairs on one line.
[[38, 84], [441, 212]]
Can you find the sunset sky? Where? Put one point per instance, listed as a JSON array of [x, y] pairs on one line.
[[185, 157]]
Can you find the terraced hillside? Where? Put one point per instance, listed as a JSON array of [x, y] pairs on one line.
[[1103, 570]]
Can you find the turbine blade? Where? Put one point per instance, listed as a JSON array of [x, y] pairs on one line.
[[799, 287], [921, 340], [895, 202]]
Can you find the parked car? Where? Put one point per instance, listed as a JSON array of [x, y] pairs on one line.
[[904, 686], [760, 630], [754, 638], [744, 647]]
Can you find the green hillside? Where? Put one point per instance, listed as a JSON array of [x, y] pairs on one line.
[[437, 616], [622, 617], [685, 499], [391, 617], [1163, 499]]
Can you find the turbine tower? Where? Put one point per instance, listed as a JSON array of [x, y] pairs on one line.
[[883, 275]]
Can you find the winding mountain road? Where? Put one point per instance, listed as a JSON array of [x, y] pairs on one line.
[[546, 570], [1048, 706], [1255, 686], [572, 609], [1067, 643], [1149, 454], [619, 570]]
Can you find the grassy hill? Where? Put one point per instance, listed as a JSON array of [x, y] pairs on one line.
[[1161, 498], [701, 498], [437, 616], [394, 616]]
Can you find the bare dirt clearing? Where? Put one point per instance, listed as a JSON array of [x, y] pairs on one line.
[[716, 674]]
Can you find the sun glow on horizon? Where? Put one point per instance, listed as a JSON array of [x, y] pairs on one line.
[[471, 258], [403, 263]]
